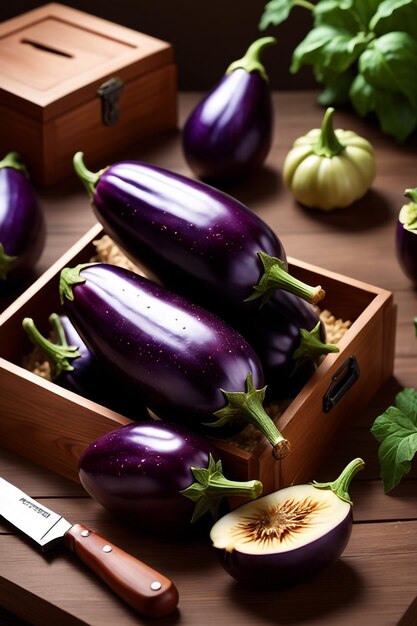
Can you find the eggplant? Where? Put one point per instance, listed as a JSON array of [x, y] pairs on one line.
[[406, 236], [160, 476], [75, 368], [22, 222], [288, 536], [188, 364], [194, 238], [289, 338], [229, 133]]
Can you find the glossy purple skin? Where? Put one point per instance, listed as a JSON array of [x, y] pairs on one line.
[[137, 472], [406, 250], [274, 333], [22, 223], [285, 569], [90, 380], [228, 135], [179, 355], [192, 236]]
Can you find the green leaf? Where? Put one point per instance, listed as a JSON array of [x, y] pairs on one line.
[[328, 47], [390, 64], [336, 86], [396, 430], [366, 9], [396, 115], [276, 12], [362, 96], [338, 13], [395, 15], [406, 401]]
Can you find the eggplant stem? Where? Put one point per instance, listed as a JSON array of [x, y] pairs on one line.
[[328, 145], [90, 179], [212, 486], [6, 263], [57, 356], [275, 276], [408, 213], [57, 326], [412, 194], [70, 276], [249, 405], [14, 160], [311, 348], [340, 486], [251, 60]]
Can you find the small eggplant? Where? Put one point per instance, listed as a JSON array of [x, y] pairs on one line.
[[287, 536], [191, 236], [188, 364], [289, 338], [159, 476], [76, 369], [228, 135], [22, 223], [406, 236]]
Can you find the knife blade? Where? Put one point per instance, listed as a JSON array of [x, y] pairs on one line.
[[140, 586]]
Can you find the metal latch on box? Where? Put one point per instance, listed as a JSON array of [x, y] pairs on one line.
[[109, 93], [341, 382]]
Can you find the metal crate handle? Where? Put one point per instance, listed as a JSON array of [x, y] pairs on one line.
[[341, 382]]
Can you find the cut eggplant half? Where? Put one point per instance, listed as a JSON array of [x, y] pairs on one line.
[[286, 537]]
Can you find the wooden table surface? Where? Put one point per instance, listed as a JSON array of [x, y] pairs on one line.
[[375, 582]]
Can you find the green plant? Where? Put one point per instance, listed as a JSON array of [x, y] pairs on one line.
[[362, 51]]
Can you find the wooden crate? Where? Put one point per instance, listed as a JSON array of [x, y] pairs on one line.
[[52, 426], [61, 73]]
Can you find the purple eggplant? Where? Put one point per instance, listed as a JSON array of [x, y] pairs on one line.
[[76, 369], [160, 476], [193, 237], [289, 338], [406, 236], [229, 133], [22, 223], [188, 364], [287, 536]]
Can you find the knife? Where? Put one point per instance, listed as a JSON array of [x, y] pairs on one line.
[[136, 583]]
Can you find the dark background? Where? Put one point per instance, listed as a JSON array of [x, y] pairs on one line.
[[206, 36]]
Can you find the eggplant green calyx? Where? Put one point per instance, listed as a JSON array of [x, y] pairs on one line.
[[6, 262], [70, 276], [340, 486], [408, 213], [212, 486], [311, 347], [90, 179], [14, 160], [249, 405], [275, 276], [58, 356], [328, 145], [251, 60]]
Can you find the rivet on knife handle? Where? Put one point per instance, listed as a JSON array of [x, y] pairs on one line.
[[136, 583]]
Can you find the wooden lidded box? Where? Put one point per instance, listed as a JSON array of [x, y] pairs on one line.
[[52, 426], [70, 81]]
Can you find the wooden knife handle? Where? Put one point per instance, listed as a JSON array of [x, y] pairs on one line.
[[136, 583]]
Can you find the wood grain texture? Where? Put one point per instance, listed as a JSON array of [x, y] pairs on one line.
[[374, 581]]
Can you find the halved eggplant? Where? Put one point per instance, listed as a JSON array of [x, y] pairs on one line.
[[287, 536]]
